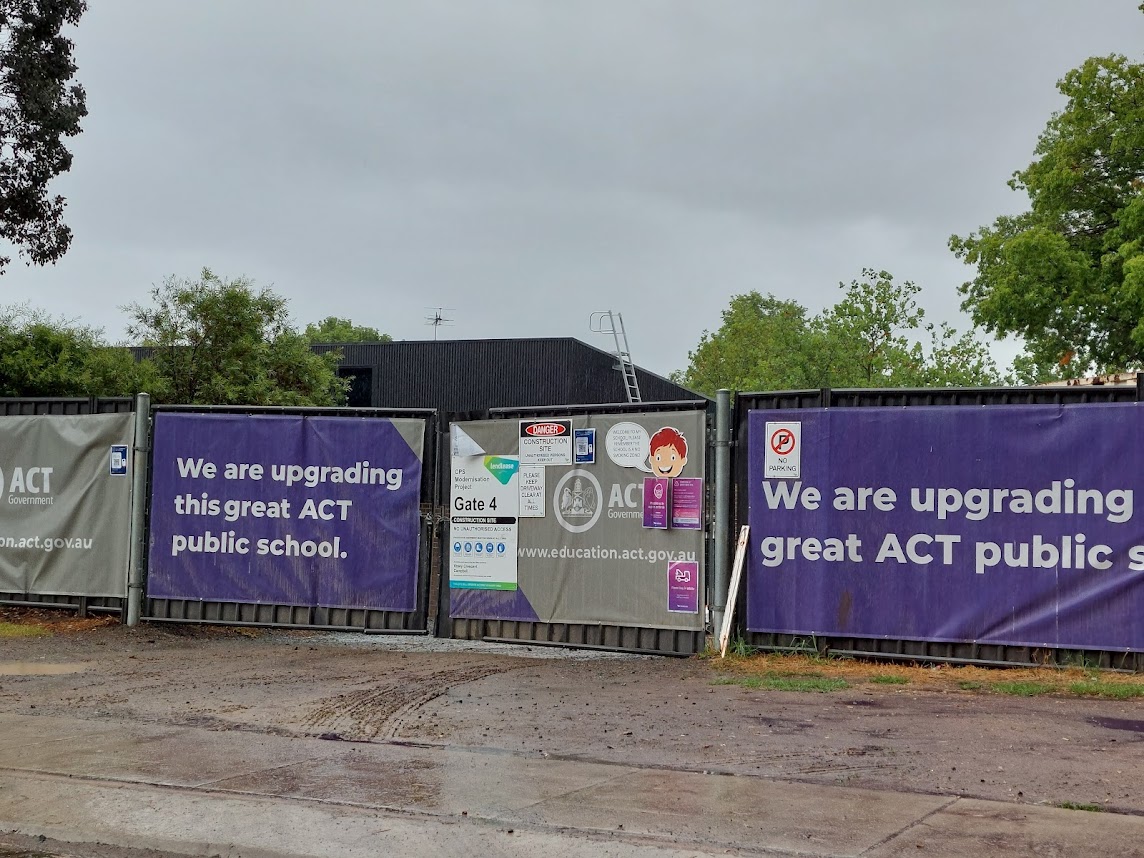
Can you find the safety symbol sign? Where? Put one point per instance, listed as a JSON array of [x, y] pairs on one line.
[[783, 454]]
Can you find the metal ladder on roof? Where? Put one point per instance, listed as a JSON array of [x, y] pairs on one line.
[[608, 322]]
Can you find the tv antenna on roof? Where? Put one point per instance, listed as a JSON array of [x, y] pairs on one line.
[[437, 318]]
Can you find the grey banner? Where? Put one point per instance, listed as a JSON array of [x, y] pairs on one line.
[[65, 504], [590, 559]]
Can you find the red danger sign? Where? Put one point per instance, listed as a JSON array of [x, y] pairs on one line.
[[783, 441], [546, 430]]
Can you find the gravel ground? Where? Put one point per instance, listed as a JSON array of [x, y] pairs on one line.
[[579, 704]]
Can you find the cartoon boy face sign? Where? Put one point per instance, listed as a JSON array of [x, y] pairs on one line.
[[668, 452]]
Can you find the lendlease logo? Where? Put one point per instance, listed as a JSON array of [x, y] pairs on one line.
[[27, 486], [501, 468]]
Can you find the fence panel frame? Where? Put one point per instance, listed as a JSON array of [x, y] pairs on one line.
[[35, 406], [313, 617]]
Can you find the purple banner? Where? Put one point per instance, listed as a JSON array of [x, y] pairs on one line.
[[286, 509], [999, 524]]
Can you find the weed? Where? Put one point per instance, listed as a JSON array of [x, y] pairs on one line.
[[741, 648], [889, 679], [1076, 805], [1023, 689], [970, 685], [806, 646], [1080, 659]]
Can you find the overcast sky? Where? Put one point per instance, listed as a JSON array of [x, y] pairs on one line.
[[528, 163]]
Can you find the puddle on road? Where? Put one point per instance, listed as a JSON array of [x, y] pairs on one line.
[[35, 668], [1118, 724]]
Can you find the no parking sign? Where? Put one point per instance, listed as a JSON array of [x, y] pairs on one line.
[[783, 455]]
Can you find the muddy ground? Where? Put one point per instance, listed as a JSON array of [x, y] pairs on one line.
[[651, 712]]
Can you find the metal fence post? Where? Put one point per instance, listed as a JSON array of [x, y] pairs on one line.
[[142, 447], [722, 503]]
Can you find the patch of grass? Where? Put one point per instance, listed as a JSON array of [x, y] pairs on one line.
[[1023, 689], [1111, 690], [763, 668], [1076, 805], [889, 679], [15, 630], [804, 683], [742, 681], [771, 682]]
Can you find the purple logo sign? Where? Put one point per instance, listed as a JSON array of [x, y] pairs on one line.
[[655, 502], [683, 587]]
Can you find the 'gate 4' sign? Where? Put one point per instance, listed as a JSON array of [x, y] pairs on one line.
[[783, 451]]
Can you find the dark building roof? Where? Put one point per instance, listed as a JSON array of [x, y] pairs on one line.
[[472, 375]]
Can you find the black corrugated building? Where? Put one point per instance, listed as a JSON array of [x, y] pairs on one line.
[[472, 375]]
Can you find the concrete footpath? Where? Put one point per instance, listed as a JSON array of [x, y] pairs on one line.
[[198, 791]]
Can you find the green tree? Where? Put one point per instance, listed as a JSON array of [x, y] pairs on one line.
[[1068, 274], [334, 330], [224, 342], [44, 356], [1029, 369], [870, 338], [39, 107], [863, 340], [873, 338], [763, 344], [953, 360]]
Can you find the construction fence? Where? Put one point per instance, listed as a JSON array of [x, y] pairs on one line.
[[962, 525]]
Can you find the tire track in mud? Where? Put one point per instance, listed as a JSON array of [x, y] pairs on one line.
[[380, 710]]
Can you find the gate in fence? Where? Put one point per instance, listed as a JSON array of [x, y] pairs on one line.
[[581, 526]]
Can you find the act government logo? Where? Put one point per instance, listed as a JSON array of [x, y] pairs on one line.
[[27, 486], [578, 501]]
